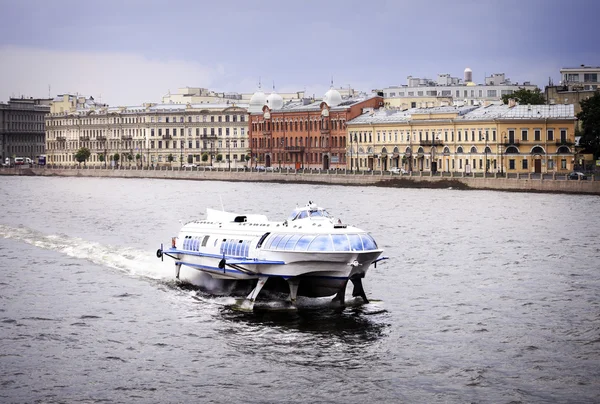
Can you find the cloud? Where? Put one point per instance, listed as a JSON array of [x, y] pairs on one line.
[[119, 78]]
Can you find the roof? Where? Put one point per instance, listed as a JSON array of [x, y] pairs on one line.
[[470, 113], [298, 106]]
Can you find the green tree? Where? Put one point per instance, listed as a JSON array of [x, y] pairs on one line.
[[138, 158], [82, 155], [590, 123], [219, 157], [247, 157], [115, 158], [129, 158], [102, 159], [524, 96], [170, 158], [205, 157]]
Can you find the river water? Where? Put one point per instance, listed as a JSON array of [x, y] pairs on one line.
[[487, 297]]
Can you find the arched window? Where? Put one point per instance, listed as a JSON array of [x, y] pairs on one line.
[[512, 150], [537, 150], [473, 149], [459, 150]]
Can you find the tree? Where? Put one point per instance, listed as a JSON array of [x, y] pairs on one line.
[[590, 123], [205, 157], [170, 158], [129, 158], [102, 159], [116, 159], [524, 96], [138, 157], [219, 157], [247, 157], [82, 155]]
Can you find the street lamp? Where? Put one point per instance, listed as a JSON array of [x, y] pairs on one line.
[[229, 154], [351, 153], [502, 156], [181, 155], [486, 146], [356, 140]]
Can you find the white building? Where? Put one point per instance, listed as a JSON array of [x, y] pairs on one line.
[[463, 91], [580, 78], [150, 135]]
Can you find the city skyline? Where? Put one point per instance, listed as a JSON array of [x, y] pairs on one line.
[[135, 52]]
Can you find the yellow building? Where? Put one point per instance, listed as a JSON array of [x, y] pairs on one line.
[[492, 139], [148, 135]]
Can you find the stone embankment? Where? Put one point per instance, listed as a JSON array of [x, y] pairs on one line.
[[519, 183]]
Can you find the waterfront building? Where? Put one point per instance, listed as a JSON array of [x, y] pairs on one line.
[[22, 127], [492, 139], [149, 134], [303, 134], [462, 91]]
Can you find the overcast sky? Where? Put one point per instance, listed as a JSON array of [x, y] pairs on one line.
[[127, 52]]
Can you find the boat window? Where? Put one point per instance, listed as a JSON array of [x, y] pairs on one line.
[[289, 246], [302, 215], [262, 239], [340, 242], [315, 213], [281, 244], [368, 242], [303, 243], [321, 243], [355, 242], [205, 241], [273, 241], [239, 248]]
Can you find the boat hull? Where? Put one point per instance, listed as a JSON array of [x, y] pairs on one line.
[[319, 274]]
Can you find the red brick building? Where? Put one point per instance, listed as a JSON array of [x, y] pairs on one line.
[[303, 134]]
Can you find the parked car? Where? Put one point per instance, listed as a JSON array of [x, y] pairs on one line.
[[190, 165], [397, 170], [576, 175]]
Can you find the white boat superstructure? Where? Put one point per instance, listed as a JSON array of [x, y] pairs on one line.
[[314, 252]]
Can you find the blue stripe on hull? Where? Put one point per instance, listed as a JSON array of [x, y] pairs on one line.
[[226, 270]]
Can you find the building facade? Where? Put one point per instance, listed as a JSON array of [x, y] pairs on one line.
[[150, 135], [22, 131], [493, 139], [303, 134], [463, 92], [580, 78]]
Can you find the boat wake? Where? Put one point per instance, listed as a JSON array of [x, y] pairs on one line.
[[126, 259]]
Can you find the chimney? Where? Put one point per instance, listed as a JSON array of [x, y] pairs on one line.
[[512, 102]]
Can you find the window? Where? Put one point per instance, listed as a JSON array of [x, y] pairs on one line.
[[563, 136], [550, 135], [524, 135], [492, 93], [321, 243], [572, 77], [563, 164], [524, 164], [590, 77], [511, 164], [537, 135]]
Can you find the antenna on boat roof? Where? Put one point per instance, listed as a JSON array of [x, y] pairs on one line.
[[221, 198]]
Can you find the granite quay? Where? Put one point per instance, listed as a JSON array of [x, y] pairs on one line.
[[507, 182]]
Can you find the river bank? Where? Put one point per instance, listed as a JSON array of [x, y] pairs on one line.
[[551, 183]]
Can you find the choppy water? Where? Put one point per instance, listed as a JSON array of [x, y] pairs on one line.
[[487, 297]]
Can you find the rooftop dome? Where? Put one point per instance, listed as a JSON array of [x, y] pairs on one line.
[[257, 101], [274, 100], [332, 97]]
